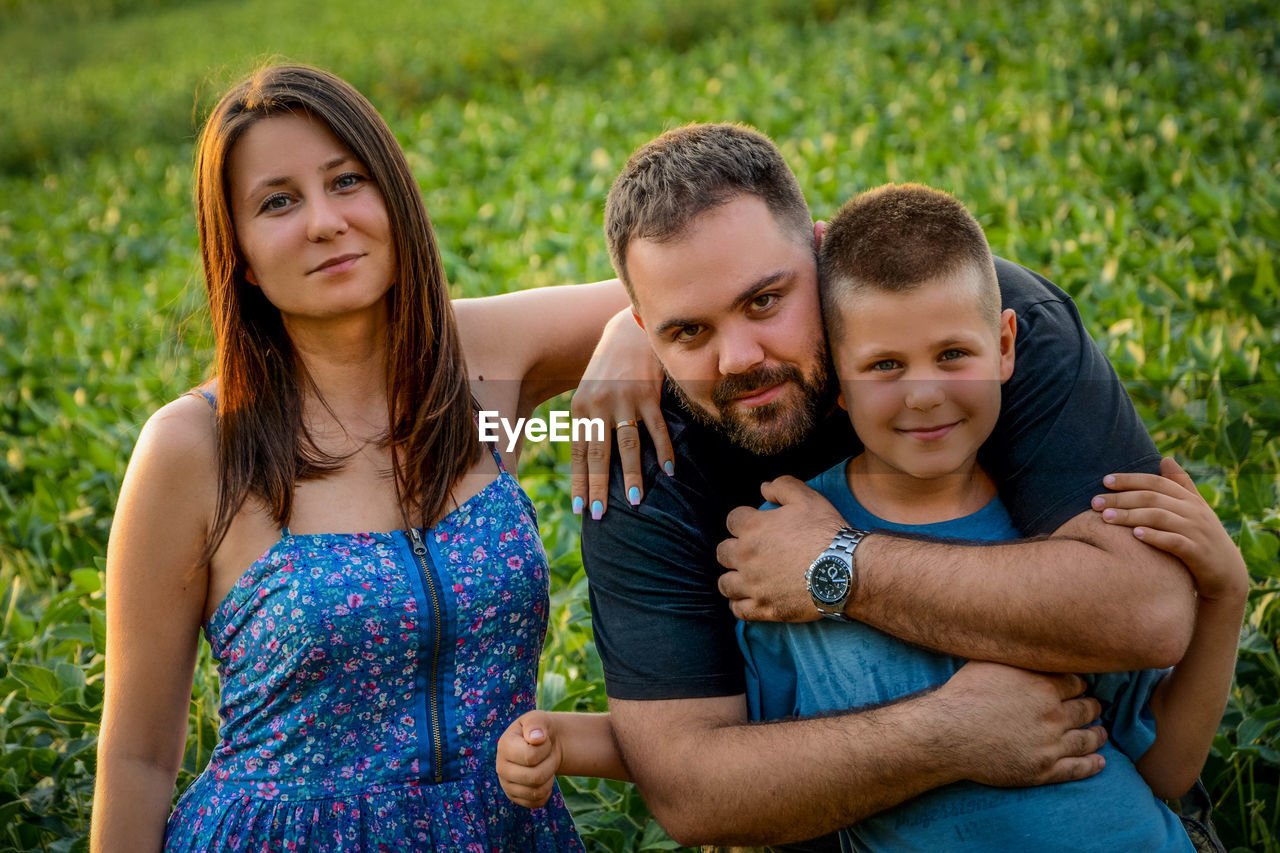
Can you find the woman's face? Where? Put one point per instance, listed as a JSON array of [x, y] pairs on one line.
[[311, 223]]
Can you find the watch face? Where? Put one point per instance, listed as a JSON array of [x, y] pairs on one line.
[[829, 580]]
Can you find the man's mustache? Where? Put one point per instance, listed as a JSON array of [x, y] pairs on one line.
[[743, 384]]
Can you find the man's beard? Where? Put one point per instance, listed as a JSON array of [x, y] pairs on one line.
[[777, 425]]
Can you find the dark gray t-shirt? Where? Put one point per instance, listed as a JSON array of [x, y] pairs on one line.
[[663, 630]]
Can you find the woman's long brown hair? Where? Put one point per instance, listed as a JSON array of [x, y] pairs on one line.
[[264, 448]]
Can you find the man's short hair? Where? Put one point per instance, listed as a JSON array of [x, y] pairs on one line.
[[895, 237], [674, 178]]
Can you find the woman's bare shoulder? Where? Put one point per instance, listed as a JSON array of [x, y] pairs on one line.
[[177, 448]]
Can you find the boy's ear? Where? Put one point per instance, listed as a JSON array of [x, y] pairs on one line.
[[1008, 334], [819, 228]]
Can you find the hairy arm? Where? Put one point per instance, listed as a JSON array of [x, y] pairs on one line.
[[1118, 605], [1089, 598], [155, 597], [712, 778]]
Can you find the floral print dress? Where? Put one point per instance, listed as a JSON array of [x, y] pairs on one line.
[[366, 679]]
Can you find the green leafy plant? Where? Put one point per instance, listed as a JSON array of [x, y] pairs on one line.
[[1127, 151]]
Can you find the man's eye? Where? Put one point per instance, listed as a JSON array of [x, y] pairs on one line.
[[685, 334], [764, 301], [952, 355]]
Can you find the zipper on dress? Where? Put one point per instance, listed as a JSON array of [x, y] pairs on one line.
[[420, 552]]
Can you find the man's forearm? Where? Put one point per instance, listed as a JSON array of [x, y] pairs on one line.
[[1088, 599], [712, 778], [770, 783]]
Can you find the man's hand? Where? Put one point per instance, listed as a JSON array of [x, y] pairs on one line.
[[1016, 728], [770, 550]]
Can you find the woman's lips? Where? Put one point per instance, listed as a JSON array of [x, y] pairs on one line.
[[340, 264]]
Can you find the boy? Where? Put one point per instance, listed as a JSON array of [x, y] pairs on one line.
[[919, 343]]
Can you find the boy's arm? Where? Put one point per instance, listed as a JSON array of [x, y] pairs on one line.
[[1168, 513], [540, 745]]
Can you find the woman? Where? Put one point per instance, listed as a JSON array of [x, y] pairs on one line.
[[389, 622]]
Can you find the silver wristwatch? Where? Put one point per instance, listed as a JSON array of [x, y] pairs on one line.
[[832, 579]]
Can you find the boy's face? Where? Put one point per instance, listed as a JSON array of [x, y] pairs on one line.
[[920, 374]]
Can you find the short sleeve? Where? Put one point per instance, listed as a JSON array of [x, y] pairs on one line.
[[662, 629], [1065, 419], [770, 669], [1126, 708]]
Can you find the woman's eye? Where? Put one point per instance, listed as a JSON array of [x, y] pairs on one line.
[[885, 365], [276, 202], [347, 181]]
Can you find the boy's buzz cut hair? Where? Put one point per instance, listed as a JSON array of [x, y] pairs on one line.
[[895, 237], [672, 179]]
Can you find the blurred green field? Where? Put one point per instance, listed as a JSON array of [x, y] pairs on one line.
[[1128, 151]]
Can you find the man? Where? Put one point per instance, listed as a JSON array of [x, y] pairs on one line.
[[708, 230]]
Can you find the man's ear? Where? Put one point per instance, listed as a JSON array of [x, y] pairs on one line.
[[636, 316], [1008, 334], [819, 228]]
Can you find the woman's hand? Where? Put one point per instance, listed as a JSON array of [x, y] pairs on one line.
[[622, 386]]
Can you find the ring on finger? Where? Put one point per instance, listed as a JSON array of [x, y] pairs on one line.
[[628, 422]]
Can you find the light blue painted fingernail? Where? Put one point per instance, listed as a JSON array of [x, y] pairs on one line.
[[597, 510], [577, 505], [633, 495], [669, 467]]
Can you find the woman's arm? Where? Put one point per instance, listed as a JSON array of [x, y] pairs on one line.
[[155, 596], [523, 348], [539, 339]]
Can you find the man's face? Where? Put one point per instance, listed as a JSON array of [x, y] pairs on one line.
[[731, 309]]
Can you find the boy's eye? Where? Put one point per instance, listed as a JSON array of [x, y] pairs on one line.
[[885, 365], [952, 355]]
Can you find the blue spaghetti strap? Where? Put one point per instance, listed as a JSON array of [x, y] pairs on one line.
[[497, 457], [208, 397]]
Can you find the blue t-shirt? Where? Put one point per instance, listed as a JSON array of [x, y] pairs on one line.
[[801, 669]]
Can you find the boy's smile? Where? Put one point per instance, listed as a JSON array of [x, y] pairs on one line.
[[920, 373]]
